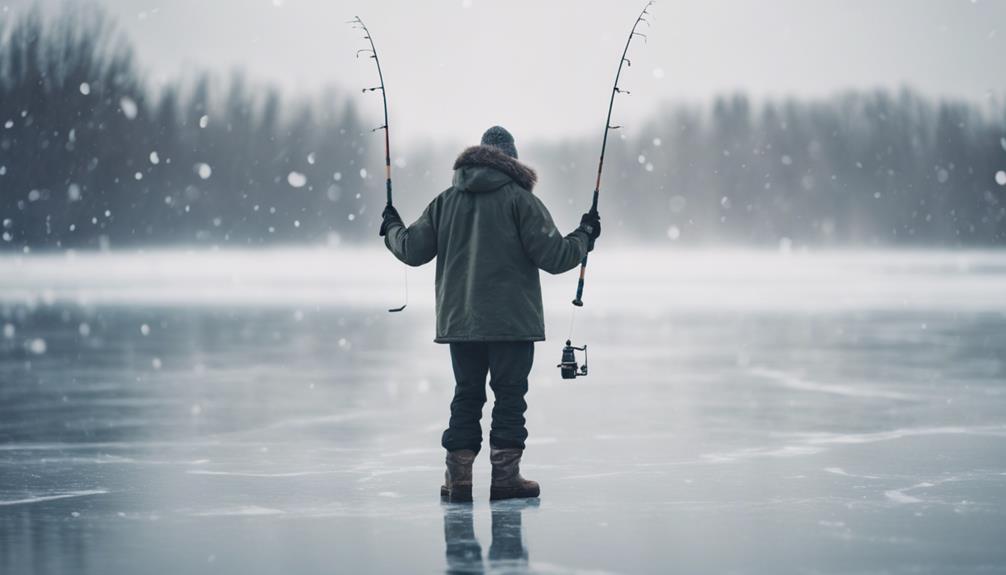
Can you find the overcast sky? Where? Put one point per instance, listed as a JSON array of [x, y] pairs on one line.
[[544, 68]]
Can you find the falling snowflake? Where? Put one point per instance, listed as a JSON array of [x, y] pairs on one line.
[[129, 107], [37, 346], [296, 179], [204, 170]]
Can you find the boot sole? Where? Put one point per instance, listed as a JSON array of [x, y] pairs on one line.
[[461, 494], [501, 493]]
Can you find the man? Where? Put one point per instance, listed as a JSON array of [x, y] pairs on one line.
[[490, 236]]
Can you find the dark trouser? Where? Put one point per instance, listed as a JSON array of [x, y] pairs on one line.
[[509, 363]]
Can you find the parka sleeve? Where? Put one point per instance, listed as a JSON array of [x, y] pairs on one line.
[[542, 242], [417, 244]]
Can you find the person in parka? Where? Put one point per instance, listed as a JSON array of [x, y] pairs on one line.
[[490, 235]]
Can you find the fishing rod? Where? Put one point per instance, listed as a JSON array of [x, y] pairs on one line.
[[578, 301], [568, 365], [358, 24]]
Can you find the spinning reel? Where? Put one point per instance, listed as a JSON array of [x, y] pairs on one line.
[[568, 366]]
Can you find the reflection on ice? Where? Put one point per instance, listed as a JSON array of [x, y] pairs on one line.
[[507, 552]]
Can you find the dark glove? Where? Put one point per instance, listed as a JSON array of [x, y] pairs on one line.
[[390, 215], [590, 224]]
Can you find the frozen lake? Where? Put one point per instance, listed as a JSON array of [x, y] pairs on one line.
[[746, 412]]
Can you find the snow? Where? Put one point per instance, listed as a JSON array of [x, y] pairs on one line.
[[85, 88], [154, 158], [204, 121], [296, 179], [1001, 177], [129, 108], [204, 170], [37, 346]]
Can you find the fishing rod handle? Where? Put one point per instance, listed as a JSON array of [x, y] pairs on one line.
[[578, 302]]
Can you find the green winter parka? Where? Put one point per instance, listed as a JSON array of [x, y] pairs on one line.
[[490, 236]]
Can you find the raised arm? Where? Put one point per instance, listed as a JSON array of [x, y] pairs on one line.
[[542, 242], [414, 245]]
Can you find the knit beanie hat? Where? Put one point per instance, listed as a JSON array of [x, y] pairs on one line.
[[499, 138]]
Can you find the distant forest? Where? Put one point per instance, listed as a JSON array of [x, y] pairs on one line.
[[92, 157]]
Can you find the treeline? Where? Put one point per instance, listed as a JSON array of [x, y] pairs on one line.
[[90, 156], [858, 168]]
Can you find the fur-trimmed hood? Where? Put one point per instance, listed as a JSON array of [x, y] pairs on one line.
[[490, 157]]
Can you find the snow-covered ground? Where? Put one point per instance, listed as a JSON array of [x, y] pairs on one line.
[[745, 412]]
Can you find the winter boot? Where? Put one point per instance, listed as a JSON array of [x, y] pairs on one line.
[[507, 482], [458, 477]]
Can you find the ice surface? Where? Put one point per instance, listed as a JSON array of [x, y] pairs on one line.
[[745, 413]]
